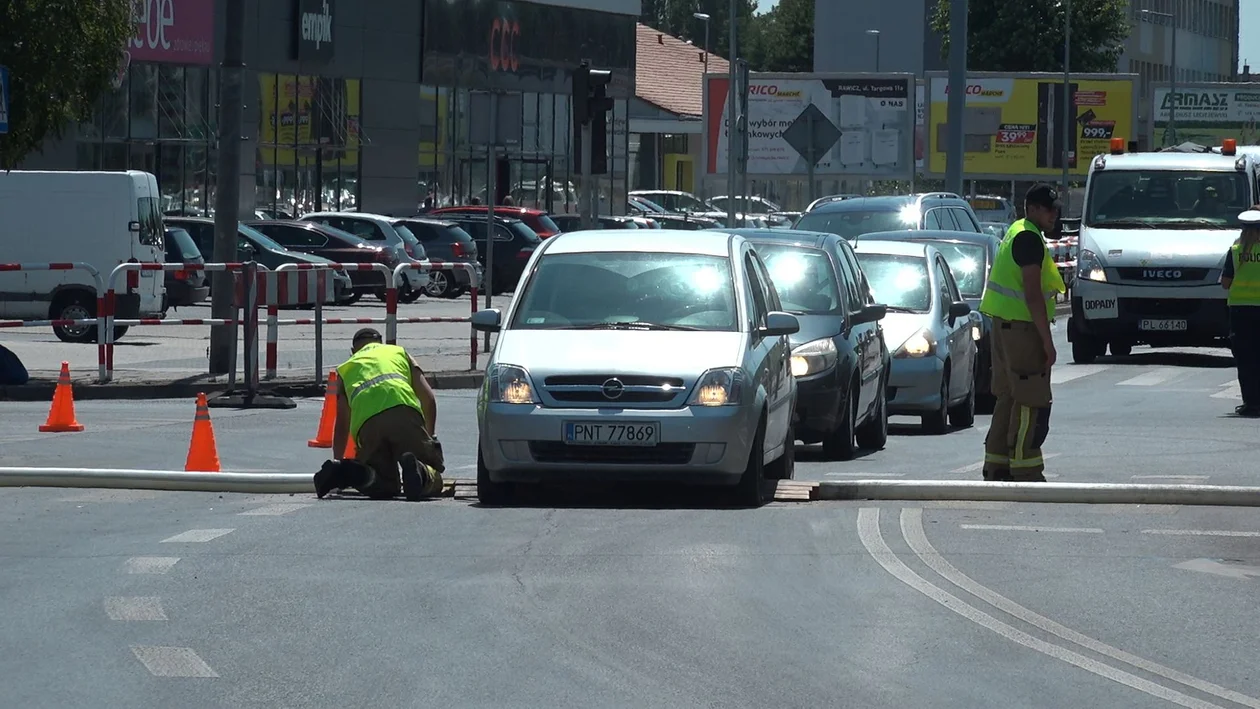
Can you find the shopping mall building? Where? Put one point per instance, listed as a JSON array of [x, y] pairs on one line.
[[361, 104]]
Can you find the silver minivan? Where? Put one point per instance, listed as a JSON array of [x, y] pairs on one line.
[[662, 357]]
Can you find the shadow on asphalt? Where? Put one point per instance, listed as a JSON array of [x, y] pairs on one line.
[[813, 453], [622, 496], [1172, 359]]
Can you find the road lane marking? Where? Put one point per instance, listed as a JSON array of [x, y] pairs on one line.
[[1229, 391], [1025, 528], [973, 467], [134, 608], [150, 564], [172, 661], [1062, 375], [873, 540], [1178, 478], [916, 538], [1212, 566], [1200, 533], [866, 475], [275, 510], [1151, 378], [198, 535]]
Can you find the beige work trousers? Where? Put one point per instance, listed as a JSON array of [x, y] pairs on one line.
[[1021, 412], [382, 441]]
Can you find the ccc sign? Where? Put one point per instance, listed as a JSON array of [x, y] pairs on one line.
[[505, 37]]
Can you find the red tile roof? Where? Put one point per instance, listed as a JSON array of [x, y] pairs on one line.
[[669, 72]]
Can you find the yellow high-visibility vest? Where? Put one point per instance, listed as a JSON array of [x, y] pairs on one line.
[[1004, 291], [376, 378], [1245, 290]]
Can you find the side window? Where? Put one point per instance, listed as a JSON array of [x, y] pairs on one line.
[[772, 294], [852, 279], [501, 233], [424, 232], [477, 230], [759, 292], [952, 284], [294, 237], [150, 218], [933, 220], [942, 280], [363, 229], [965, 221]]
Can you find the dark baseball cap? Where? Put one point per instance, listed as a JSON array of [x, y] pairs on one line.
[[367, 334], [1043, 195]]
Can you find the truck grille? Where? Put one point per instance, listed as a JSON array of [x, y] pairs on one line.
[[1161, 274], [660, 454]]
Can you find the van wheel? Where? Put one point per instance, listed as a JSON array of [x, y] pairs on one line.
[[1085, 350], [1121, 349], [77, 306]]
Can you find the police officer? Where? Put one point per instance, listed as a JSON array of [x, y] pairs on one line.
[[1020, 295], [387, 405], [1241, 277]]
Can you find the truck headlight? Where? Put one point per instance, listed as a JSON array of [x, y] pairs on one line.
[[719, 387], [920, 344], [510, 384], [1089, 267], [814, 357]]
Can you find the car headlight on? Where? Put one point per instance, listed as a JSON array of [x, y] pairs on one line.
[[814, 357], [719, 387], [510, 384], [1090, 267], [920, 344]]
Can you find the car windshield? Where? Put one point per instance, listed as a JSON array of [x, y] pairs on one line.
[[803, 277], [967, 263], [756, 205], [260, 238], [180, 246], [900, 282], [629, 290], [649, 205], [1166, 199], [853, 223]]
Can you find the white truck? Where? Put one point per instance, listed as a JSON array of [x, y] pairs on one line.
[[1155, 232], [98, 218]]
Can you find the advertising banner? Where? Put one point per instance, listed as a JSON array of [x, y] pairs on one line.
[[859, 125], [1013, 123], [1207, 114], [304, 116], [175, 31], [920, 125]]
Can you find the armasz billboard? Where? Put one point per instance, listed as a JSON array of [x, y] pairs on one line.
[[1206, 113]]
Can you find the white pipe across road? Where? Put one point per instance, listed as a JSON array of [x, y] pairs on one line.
[[1061, 493], [262, 483]]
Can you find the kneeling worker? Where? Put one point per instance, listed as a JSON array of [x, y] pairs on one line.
[[387, 405]]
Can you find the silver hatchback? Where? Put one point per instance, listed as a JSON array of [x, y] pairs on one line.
[[663, 357]]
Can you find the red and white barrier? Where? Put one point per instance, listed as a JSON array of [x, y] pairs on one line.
[[391, 300], [99, 320]]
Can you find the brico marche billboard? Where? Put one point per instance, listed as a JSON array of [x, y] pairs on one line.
[[864, 124], [1013, 123], [1207, 113]]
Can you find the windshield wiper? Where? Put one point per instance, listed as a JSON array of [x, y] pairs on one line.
[[639, 325], [901, 309], [1123, 223]]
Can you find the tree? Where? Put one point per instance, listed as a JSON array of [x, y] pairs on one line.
[[783, 38], [1028, 35], [62, 56], [677, 18]]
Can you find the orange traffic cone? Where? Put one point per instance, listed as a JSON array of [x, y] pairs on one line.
[[203, 452], [61, 416], [324, 436]]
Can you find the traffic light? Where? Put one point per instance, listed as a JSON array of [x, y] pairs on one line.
[[591, 104]]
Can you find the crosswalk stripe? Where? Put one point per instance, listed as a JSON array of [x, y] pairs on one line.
[[1229, 391], [1152, 378], [1061, 375]]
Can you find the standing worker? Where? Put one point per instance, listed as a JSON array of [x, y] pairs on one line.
[[1241, 277], [1020, 296], [386, 404]]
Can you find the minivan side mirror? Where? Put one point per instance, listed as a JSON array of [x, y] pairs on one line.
[[958, 309], [488, 320], [780, 323], [869, 313]]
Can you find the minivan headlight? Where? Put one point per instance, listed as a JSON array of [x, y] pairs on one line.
[[814, 357], [920, 344], [1089, 267], [719, 387], [510, 384]]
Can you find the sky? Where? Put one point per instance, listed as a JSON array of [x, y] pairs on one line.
[[1248, 31]]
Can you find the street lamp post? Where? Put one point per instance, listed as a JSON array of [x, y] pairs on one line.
[[704, 17], [732, 109], [875, 34], [1067, 128], [1171, 19]]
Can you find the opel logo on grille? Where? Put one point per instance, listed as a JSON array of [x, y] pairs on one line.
[[613, 389]]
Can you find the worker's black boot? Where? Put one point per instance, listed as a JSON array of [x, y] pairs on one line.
[[416, 478], [340, 474]]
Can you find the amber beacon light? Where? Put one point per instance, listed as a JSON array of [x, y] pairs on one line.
[[1229, 146], [1117, 146]]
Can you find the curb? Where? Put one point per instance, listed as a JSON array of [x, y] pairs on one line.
[[1059, 493], [185, 389]]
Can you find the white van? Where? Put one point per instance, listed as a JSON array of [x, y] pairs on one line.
[[1156, 229], [99, 218]]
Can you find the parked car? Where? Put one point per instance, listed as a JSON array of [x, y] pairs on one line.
[[514, 242], [929, 329], [852, 218], [755, 205], [385, 231], [184, 287], [992, 208], [591, 379], [573, 222], [446, 240], [340, 247], [970, 256], [535, 219], [678, 202], [829, 199], [839, 358], [253, 244]]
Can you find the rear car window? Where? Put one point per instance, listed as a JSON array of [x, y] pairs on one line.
[[180, 246], [522, 231], [457, 233], [546, 222], [853, 223]]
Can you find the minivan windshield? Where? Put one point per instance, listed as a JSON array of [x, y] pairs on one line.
[[900, 282], [628, 290], [803, 277], [852, 223], [1166, 199]]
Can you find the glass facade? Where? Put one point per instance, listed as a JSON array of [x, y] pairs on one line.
[[160, 118], [309, 144]]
